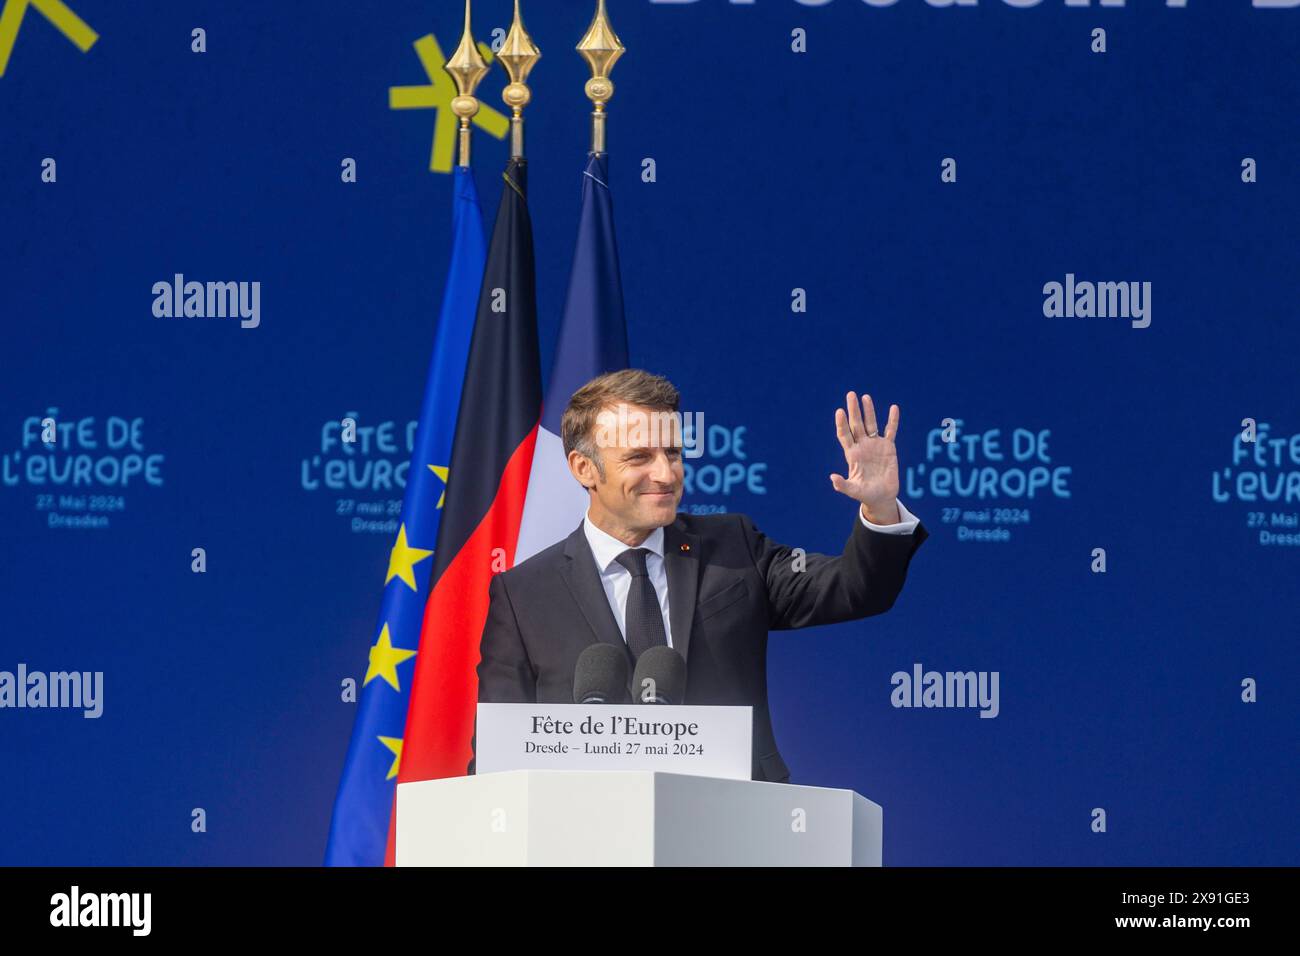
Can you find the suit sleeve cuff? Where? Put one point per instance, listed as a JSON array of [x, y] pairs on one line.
[[906, 525]]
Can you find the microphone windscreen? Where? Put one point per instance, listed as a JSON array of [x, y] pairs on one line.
[[667, 669], [600, 676]]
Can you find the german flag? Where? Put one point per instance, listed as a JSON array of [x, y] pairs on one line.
[[492, 455]]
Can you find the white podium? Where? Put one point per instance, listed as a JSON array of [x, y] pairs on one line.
[[631, 818]]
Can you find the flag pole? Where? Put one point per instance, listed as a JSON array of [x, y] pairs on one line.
[[467, 67], [601, 48], [518, 54]]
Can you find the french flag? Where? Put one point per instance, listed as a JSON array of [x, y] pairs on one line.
[[592, 341]]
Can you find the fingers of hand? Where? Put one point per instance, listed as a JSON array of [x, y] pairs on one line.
[[891, 427], [856, 429], [842, 429], [860, 421], [869, 416]]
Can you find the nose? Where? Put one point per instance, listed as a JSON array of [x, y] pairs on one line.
[[663, 469]]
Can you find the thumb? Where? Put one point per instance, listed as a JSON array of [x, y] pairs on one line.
[[837, 481]]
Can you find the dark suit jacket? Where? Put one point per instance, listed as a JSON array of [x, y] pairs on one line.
[[728, 585]]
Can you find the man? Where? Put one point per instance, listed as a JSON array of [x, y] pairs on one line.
[[637, 574]]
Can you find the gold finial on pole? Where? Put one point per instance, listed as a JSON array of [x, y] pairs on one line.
[[601, 48], [519, 54], [467, 67]]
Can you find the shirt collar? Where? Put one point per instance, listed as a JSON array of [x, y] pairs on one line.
[[605, 547]]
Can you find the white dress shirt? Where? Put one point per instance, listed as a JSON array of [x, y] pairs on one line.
[[617, 580]]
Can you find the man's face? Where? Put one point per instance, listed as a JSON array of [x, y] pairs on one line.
[[644, 478]]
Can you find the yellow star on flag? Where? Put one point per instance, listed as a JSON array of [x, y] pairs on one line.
[[403, 559], [395, 745], [56, 11], [384, 658], [441, 472]]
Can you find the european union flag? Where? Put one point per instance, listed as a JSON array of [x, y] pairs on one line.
[[367, 790]]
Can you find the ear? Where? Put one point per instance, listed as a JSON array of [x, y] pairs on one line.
[[582, 469]]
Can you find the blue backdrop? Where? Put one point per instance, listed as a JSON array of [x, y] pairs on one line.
[[774, 171]]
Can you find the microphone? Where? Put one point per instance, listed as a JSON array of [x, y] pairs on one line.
[[600, 676], [660, 677]]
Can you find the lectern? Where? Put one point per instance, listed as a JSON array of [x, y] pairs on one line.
[[631, 818]]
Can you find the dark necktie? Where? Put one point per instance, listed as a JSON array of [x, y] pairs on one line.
[[644, 624]]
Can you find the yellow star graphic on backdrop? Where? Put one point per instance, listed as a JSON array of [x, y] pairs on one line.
[[403, 559], [437, 95], [384, 658], [441, 472], [56, 11], [395, 745]]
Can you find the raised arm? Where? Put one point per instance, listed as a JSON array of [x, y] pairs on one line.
[[804, 590]]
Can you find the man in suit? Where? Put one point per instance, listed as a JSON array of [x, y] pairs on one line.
[[636, 574]]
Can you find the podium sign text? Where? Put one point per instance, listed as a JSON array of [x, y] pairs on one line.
[[705, 741]]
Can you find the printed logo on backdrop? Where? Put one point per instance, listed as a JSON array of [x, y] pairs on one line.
[[719, 465], [360, 470], [990, 483], [79, 470], [438, 94], [1265, 476]]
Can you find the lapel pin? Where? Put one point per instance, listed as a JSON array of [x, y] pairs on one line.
[[686, 547]]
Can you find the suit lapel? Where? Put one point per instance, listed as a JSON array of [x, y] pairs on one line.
[[682, 563], [583, 579]]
